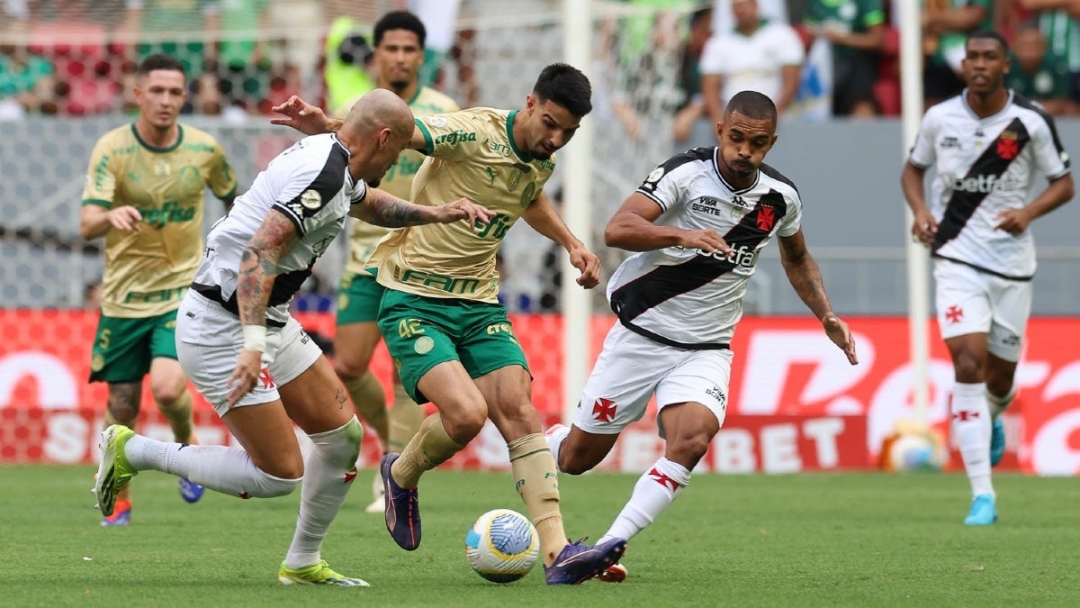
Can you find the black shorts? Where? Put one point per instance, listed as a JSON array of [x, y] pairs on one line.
[[853, 82]]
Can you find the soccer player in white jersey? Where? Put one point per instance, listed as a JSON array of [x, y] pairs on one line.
[[986, 146], [451, 340], [698, 222], [250, 358], [399, 53]]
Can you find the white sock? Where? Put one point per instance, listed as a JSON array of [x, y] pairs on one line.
[[971, 423], [554, 440], [328, 475], [653, 494], [999, 404], [219, 468]]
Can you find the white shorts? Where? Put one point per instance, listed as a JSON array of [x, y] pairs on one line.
[[631, 368], [973, 302], [209, 340]]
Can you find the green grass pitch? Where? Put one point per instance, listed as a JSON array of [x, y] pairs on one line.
[[810, 540]]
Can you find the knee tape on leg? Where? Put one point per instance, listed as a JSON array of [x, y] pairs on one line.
[[535, 476], [340, 446], [268, 486]]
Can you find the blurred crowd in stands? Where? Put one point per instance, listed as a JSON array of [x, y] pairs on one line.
[[817, 58]]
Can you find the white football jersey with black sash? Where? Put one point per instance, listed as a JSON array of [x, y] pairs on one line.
[[687, 298], [310, 185], [986, 166]]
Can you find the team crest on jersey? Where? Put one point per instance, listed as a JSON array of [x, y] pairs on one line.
[[766, 218], [515, 176], [655, 176], [1008, 147], [437, 121], [311, 199]]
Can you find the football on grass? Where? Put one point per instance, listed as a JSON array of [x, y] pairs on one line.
[[502, 546]]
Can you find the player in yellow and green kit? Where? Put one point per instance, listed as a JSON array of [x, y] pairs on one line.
[[144, 193], [451, 340], [399, 53]]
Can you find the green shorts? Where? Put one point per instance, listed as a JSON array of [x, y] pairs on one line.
[[421, 333], [358, 299], [124, 348]]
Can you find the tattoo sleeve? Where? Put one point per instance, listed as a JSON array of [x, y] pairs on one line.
[[383, 209], [258, 266]]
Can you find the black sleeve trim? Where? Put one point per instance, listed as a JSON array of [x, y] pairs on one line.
[[283, 210], [1026, 103]]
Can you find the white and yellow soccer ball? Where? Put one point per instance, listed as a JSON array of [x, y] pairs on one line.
[[911, 452], [502, 546]]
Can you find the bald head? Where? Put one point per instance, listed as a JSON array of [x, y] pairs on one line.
[[376, 130], [377, 110]]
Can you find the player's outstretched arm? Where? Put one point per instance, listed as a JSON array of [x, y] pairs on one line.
[[805, 276], [542, 216], [384, 209], [258, 269], [304, 117], [924, 227], [632, 229]]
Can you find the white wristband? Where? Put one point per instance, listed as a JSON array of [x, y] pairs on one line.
[[255, 337]]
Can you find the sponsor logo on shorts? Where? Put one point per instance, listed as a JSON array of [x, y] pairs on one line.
[[423, 345], [717, 394]]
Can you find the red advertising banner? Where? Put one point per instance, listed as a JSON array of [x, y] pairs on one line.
[[795, 402]]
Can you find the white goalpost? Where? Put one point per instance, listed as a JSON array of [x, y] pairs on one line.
[[911, 86], [577, 212]]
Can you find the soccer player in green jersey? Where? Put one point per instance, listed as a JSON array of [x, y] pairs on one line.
[[451, 340], [144, 194], [399, 53]]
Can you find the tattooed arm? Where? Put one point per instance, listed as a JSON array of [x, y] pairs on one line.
[[805, 276], [258, 269], [384, 209]]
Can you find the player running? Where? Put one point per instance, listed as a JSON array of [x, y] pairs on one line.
[[699, 221], [250, 358], [451, 340], [399, 53], [987, 145], [144, 193]]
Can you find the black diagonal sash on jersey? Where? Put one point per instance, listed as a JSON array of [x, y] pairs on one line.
[[962, 204], [666, 282]]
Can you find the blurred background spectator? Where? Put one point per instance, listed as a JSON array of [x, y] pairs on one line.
[[856, 30], [946, 24], [759, 55], [1038, 75]]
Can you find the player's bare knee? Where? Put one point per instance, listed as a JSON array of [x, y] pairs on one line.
[[575, 460], [350, 369], [967, 367], [689, 449], [462, 424], [167, 392]]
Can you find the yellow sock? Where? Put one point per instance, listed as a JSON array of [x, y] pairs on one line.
[[428, 449], [405, 419], [370, 402], [537, 481]]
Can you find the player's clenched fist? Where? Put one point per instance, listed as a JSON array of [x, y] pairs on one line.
[[589, 265]]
